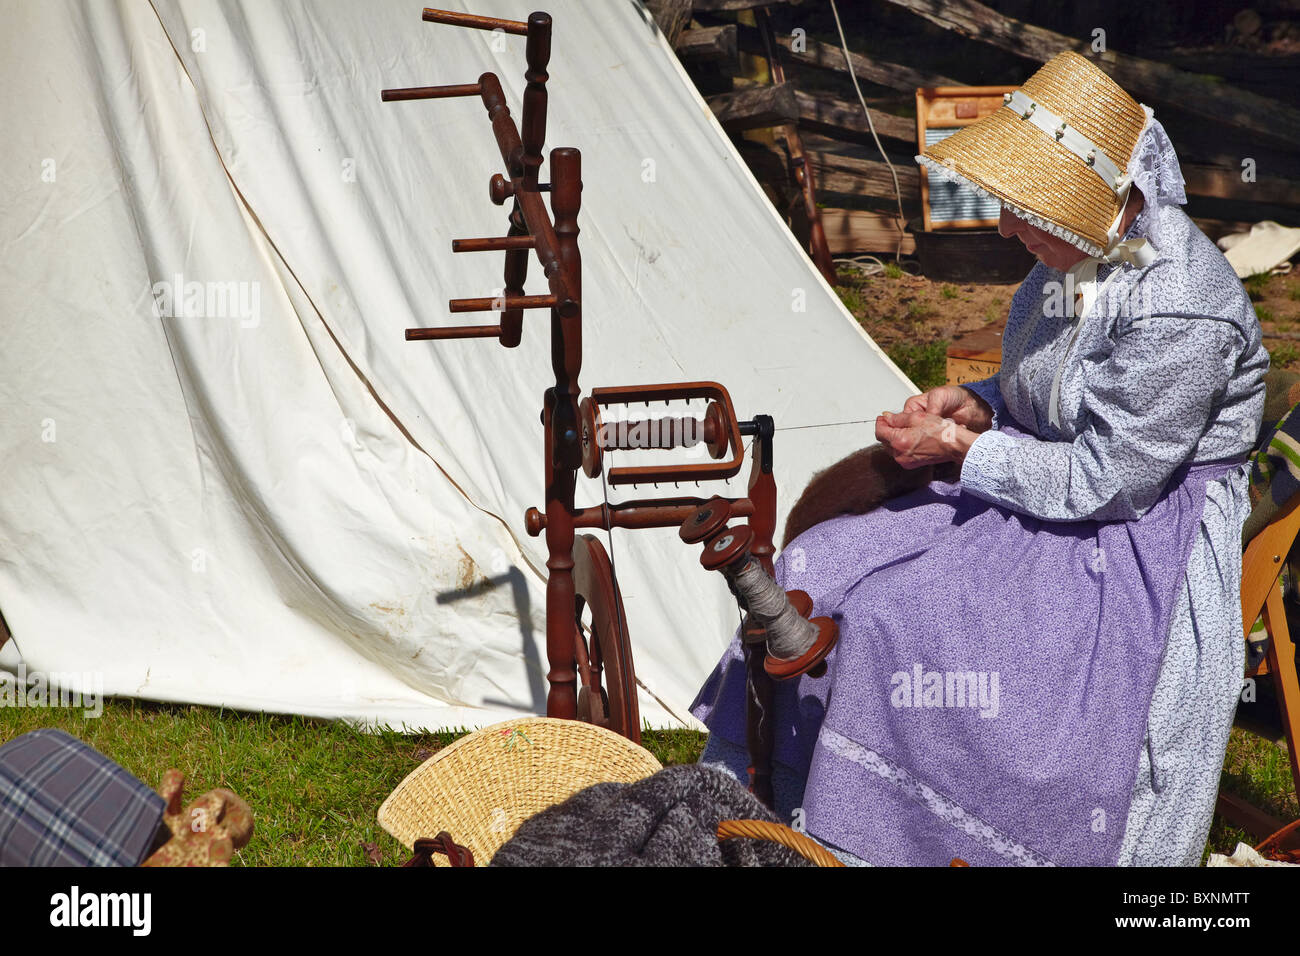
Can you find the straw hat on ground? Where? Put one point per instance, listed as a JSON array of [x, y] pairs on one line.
[[482, 787], [1056, 153]]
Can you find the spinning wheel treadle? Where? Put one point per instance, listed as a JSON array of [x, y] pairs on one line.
[[607, 682]]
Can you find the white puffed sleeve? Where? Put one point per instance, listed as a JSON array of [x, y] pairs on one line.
[[1146, 406]]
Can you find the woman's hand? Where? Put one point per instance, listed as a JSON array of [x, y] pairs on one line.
[[917, 438], [952, 401]]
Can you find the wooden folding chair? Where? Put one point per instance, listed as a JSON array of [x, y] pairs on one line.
[[1266, 554]]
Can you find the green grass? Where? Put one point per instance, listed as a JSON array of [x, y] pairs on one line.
[[1283, 355], [673, 747], [1259, 771], [314, 785], [926, 365], [893, 270], [852, 299], [948, 292], [1263, 314], [1256, 285], [1295, 293], [919, 311]]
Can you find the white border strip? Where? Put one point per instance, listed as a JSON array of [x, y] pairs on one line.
[[1092, 155], [941, 806]]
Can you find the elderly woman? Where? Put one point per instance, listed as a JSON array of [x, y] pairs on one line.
[[1039, 663]]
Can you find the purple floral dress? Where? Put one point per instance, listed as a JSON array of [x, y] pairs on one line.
[[1039, 663]]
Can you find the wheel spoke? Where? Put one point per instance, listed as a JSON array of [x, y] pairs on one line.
[[605, 660]]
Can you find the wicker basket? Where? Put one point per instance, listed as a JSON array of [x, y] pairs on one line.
[[483, 786], [805, 846]]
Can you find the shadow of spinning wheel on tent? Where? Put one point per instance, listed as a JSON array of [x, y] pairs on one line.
[[518, 584], [607, 694]]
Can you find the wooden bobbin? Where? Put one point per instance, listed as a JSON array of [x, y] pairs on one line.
[[812, 661], [726, 550], [708, 519], [714, 429], [803, 604], [589, 435]]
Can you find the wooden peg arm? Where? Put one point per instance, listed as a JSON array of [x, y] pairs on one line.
[[454, 332], [473, 21], [431, 92]]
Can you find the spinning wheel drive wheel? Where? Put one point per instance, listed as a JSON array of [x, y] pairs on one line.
[[606, 680]]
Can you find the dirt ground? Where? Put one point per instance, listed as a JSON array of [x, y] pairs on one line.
[[913, 318], [913, 309]]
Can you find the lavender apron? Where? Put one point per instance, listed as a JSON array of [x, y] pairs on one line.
[[988, 698]]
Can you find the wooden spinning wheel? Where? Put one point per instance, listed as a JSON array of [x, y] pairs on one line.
[[606, 678], [588, 650]]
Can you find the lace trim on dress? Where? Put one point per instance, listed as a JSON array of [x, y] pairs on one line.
[[941, 806]]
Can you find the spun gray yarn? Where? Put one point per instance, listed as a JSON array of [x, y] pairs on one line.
[[788, 634], [668, 819]]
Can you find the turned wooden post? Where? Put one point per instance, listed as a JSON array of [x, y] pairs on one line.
[[563, 451], [538, 54], [759, 685]]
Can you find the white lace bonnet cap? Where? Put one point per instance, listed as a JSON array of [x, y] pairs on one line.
[[1062, 153]]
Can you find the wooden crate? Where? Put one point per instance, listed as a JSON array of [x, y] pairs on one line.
[[975, 356], [946, 109]]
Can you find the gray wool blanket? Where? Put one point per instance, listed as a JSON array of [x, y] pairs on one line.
[[668, 819]]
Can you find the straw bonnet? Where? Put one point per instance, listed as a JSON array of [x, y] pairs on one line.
[[482, 787], [1055, 154]]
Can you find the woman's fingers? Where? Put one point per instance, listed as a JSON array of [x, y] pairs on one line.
[[936, 401], [914, 439], [891, 431], [904, 419], [883, 436], [949, 399]]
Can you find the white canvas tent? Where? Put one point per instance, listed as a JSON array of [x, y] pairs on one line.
[[224, 476]]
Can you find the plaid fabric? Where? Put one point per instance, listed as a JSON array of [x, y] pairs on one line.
[[63, 803]]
